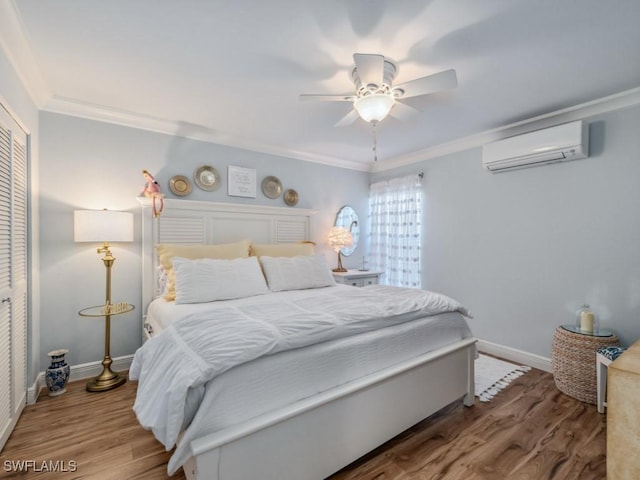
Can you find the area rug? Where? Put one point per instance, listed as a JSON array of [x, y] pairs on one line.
[[493, 375]]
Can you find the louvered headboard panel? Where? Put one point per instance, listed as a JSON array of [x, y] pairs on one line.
[[194, 222]]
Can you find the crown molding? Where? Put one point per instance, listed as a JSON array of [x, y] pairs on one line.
[[16, 48], [628, 98], [102, 113]]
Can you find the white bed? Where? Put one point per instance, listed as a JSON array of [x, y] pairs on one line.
[[307, 412]]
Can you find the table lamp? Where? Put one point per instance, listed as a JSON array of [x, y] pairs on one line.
[[339, 237], [104, 226]]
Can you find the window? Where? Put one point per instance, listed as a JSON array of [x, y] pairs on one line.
[[395, 214]]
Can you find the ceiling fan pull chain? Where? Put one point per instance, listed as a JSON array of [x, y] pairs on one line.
[[375, 141]]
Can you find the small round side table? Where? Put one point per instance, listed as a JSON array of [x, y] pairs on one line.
[[108, 379], [573, 360]]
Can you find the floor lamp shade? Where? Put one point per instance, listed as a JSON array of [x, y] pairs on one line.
[[102, 226]]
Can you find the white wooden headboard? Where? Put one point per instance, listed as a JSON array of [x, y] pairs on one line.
[[195, 222]]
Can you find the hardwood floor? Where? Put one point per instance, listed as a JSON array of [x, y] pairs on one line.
[[530, 431], [96, 432]]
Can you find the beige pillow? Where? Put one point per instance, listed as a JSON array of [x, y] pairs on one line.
[[225, 251], [282, 249]]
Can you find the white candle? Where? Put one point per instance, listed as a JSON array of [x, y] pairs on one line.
[[586, 321]]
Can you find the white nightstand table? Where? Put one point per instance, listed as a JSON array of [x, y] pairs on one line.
[[358, 278]]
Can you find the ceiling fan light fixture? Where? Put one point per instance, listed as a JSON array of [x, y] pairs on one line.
[[374, 108]]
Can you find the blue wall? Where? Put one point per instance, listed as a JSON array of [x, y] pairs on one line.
[[521, 249], [524, 249], [92, 165]]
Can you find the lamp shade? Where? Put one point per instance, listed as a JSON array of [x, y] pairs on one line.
[[339, 237], [102, 226], [374, 107]]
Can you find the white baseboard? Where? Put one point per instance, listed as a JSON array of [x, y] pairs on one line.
[[35, 389], [79, 372], [514, 355]]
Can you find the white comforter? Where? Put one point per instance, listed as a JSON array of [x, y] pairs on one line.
[[200, 346]]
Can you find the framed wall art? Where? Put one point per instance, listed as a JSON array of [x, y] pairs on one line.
[[241, 182]]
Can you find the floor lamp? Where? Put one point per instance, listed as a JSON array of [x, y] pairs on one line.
[[104, 226]]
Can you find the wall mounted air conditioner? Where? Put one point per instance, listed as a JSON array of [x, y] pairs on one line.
[[569, 141]]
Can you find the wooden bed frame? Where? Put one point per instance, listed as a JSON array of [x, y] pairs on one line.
[[316, 436]]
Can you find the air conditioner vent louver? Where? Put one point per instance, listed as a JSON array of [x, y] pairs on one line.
[[555, 144]]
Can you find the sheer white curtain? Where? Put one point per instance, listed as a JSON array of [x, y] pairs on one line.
[[395, 215]]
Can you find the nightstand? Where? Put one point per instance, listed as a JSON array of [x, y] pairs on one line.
[[357, 278], [573, 360]]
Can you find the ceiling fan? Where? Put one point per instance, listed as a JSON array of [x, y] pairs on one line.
[[375, 95]]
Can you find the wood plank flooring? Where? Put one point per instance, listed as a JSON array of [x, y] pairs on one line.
[[530, 431], [97, 431]]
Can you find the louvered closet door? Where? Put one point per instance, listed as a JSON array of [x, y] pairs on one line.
[[19, 273], [13, 272], [5, 279]]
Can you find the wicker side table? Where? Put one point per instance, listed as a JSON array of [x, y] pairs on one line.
[[573, 361]]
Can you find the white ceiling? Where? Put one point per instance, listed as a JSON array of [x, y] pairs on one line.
[[232, 70]]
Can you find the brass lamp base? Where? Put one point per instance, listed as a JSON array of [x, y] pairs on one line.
[[339, 268], [100, 385], [107, 380]]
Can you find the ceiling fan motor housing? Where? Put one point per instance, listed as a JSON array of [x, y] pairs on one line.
[[375, 95], [390, 71]]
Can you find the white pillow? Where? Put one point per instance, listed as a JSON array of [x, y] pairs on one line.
[[296, 273], [167, 251], [209, 280], [162, 280]]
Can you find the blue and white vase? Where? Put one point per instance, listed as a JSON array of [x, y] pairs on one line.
[[57, 375]]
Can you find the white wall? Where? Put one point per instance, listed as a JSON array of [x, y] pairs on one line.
[[92, 165], [524, 249]]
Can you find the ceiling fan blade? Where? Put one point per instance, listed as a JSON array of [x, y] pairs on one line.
[[433, 83], [326, 98], [370, 68], [403, 112], [348, 119]]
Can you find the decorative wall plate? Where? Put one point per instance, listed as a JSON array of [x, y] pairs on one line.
[[271, 187], [180, 185], [290, 197], [207, 178]]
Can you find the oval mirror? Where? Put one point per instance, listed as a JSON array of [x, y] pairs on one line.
[[348, 218]]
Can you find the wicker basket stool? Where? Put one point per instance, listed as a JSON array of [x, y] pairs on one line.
[[573, 361]]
